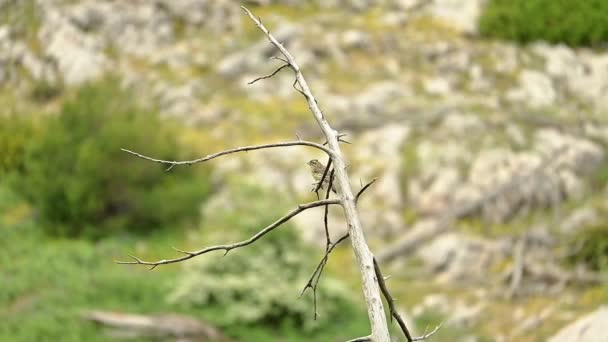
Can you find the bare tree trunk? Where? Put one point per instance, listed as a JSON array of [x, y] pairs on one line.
[[365, 258], [371, 278]]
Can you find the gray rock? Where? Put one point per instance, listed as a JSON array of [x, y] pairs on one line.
[[455, 257], [582, 156], [380, 156], [462, 125], [585, 72], [462, 15], [438, 196], [354, 39], [535, 89], [42, 70], [459, 313], [579, 219], [529, 184], [373, 100], [589, 328], [437, 86], [560, 60], [592, 85], [79, 57], [214, 15]]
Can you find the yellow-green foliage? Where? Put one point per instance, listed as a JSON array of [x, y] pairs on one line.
[[576, 23], [592, 247], [259, 284], [15, 132], [81, 183]]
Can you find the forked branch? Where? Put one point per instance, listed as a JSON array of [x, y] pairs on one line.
[[316, 274], [271, 74], [313, 281], [229, 247], [365, 187]]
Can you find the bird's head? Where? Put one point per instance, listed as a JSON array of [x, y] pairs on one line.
[[313, 163]]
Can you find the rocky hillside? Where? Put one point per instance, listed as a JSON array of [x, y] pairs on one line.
[[491, 157]]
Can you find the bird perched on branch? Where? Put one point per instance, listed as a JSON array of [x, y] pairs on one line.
[[317, 169]]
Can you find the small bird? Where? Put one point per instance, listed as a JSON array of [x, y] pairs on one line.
[[317, 169]]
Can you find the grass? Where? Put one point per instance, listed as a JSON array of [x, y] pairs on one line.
[[48, 283]]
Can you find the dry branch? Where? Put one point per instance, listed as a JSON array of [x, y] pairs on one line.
[[160, 326], [391, 302], [329, 247], [364, 257], [313, 282], [320, 183], [365, 187], [173, 163], [326, 213], [229, 247], [371, 291], [393, 310], [271, 74]]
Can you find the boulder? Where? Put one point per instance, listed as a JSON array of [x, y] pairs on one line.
[[79, 57], [461, 15], [589, 328], [535, 89]]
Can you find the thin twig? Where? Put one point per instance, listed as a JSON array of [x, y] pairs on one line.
[[393, 310], [390, 301], [230, 151], [280, 59], [364, 188], [327, 243], [326, 214], [312, 284], [339, 137], [227, 248], [361, 339], [294, 86], [270, 75], [320, 183], [426, 336]]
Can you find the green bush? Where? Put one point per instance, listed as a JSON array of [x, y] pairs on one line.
[[259, 284], [15, 132], [82, 184], [575, 23], [592, 247]]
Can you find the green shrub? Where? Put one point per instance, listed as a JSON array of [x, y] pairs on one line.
[[81, 183], [45, 91], [15, 132], [592, 247], [259, 284], [576, 23]]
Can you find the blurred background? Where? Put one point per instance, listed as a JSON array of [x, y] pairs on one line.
[[485, 121]]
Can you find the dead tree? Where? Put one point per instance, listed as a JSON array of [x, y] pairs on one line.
[[371, 278]]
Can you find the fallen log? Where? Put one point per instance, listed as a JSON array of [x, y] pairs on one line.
[[175, 326]]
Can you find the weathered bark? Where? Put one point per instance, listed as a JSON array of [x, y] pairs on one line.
[[364, 256]]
